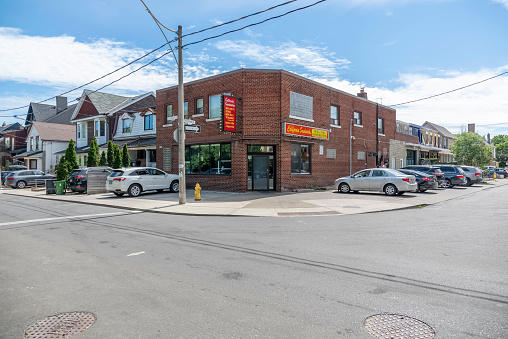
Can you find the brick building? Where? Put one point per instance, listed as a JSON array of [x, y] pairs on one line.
[[291, 132]]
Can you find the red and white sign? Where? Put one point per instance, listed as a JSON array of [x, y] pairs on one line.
[[229, 114]]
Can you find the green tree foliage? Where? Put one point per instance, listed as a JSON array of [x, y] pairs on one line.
[[111, 154], [93, 154], [70, 157], [104, 159], [62, 172], [501, 143], [117, 157], [470, 149], [126, 159], [499, 139]]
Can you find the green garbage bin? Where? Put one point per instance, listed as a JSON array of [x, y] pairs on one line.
[[60, 187]]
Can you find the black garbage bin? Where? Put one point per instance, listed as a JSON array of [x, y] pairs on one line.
[[50, 186]]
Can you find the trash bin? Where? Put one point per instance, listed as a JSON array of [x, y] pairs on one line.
[[60, 187], [50, 186]]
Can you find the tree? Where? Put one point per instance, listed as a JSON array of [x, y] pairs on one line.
[[70, 157], [501, 143], [104, 159], [470, 149], [117, 162], [111, 154], [499, 139], [93, 154], [126, 159], [62, 172]]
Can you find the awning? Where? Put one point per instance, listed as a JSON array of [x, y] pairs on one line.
[[445, 152], [28, 155]]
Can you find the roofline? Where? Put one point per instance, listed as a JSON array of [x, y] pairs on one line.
[[273, 71], [115, 109], [90, 117]]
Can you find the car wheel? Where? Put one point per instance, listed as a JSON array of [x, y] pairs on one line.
[[468, 182], [175, 186], [21, 184], [119, 194], [447, 183], [134, 190], [390, 190], [344, 188], [423, 190]]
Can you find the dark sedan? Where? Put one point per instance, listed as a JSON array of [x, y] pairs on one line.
[[78, 180], [425, 181], [429, 169]]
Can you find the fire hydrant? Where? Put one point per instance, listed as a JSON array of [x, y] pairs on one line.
[[197, 194]]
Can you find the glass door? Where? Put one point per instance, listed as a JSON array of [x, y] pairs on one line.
[[261, 167], [260, 172]]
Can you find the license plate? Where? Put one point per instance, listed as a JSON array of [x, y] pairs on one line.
[[110, 182]]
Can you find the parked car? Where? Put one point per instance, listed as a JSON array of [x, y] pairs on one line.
[[9, 169], [22, 179], [431, 170], [425, 181], [386, 180], [454, 175], [135, 180], [77, 181], [474, 175], [499, 171]]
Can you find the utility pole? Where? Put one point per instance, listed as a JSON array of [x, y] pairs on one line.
[[181, 125], [377, 135], [350, 145]]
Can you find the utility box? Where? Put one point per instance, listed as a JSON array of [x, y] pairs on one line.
[[96, 181]]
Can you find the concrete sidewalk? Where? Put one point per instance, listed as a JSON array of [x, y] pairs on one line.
[[262, 204]]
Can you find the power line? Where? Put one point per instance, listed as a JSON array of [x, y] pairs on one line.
[[254, 24], [453, 90], [244, 17]]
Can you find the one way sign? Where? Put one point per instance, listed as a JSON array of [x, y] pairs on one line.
[[192, 128]]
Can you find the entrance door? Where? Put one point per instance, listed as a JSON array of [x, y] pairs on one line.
[[260, 172]]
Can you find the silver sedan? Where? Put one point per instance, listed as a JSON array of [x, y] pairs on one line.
[[386, 180]]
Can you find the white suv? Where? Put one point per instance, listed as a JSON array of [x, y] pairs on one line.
[[134, 180]]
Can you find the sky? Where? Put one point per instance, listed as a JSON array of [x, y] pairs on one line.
[[399, 50]]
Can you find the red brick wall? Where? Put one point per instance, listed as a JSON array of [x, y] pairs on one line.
[[406, 138], [264, 107]]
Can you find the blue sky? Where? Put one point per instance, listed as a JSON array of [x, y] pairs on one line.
[[400, 50]]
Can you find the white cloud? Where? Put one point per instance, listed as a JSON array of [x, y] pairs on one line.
[[289, 54], [502, 2]]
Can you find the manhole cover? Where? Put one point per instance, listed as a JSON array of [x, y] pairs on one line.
[[396, 326], [62, 325]]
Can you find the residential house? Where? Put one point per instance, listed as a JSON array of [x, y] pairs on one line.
[[14, 144], [137, 129], [98, 114], [58, 114], [6, 142], [445, 141], [43, 142]]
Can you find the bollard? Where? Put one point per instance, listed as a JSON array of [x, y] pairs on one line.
[[197, 194]]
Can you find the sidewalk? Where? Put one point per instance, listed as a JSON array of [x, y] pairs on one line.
[[263, 204]]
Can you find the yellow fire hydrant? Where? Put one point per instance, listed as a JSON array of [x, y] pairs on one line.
[[197, 194]]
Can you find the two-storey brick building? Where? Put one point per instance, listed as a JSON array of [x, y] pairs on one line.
[[290, 132]]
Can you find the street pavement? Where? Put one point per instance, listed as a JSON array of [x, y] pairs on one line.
[[263, 204]]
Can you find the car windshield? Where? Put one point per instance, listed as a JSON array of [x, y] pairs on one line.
[[116, 174]]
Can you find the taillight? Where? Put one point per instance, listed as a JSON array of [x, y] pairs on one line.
[[119, 179], [406, 179], [10, 178], [79, 176], [477, 173], [426, 179], [459, 176]]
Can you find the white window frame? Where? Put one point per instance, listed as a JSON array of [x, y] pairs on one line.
[[355, 120]]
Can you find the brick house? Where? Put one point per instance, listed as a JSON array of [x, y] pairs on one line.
[[291, 132]]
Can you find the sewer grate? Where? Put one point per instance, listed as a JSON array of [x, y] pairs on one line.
[[396, 326], [62, 325]]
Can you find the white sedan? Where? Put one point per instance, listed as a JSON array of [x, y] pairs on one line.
[[386, 180], [134, 180]]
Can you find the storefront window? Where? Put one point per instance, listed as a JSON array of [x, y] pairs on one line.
[[209, 159], [300, 158]]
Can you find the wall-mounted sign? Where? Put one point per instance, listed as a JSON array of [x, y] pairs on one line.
[[305, 131], [229, 113]]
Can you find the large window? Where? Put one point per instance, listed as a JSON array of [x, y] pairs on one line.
[[300, 106], [169, 113], [214, 106], [148, 122], [300, 158], [126, 125], [210, 159], [82, 130], [8, 143], [334, 115], [381, 126], [100, 128], [199, 106], [357, 119]]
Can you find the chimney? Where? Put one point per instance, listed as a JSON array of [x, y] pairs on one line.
[[488, 138], [61, 104], [362, 93], [4, 124], [470, 128]]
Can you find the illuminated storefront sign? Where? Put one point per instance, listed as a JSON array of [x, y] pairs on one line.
[[229, 114], [305, 131]]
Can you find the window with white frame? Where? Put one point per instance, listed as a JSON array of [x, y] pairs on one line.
[[7, 143], [169, 113], [300, 106], [100, 128], [199, 106], [37, 143], [126, 125], [185, 110], [381, 126], [300, 158], [148, 122], [31, 143], [81, 127], [334, 115], [357, 118], [214, 106]]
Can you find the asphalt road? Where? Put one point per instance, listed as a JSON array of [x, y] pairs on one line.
[[147, 275]]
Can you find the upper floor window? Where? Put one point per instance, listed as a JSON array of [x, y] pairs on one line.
[[214, 106], [31, 143], [126, 125], [169, 113], [37, 143], [357, 118], [334, 115], [186, 110], [381, 126], [199, 106], [301, 106], [100, 128], [7, 143], [148, 122]]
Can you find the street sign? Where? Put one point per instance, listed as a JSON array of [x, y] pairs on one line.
[[175, 135], [192, 128], [189, 122]]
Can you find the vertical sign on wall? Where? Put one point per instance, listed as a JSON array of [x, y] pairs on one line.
[[229, 113]]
